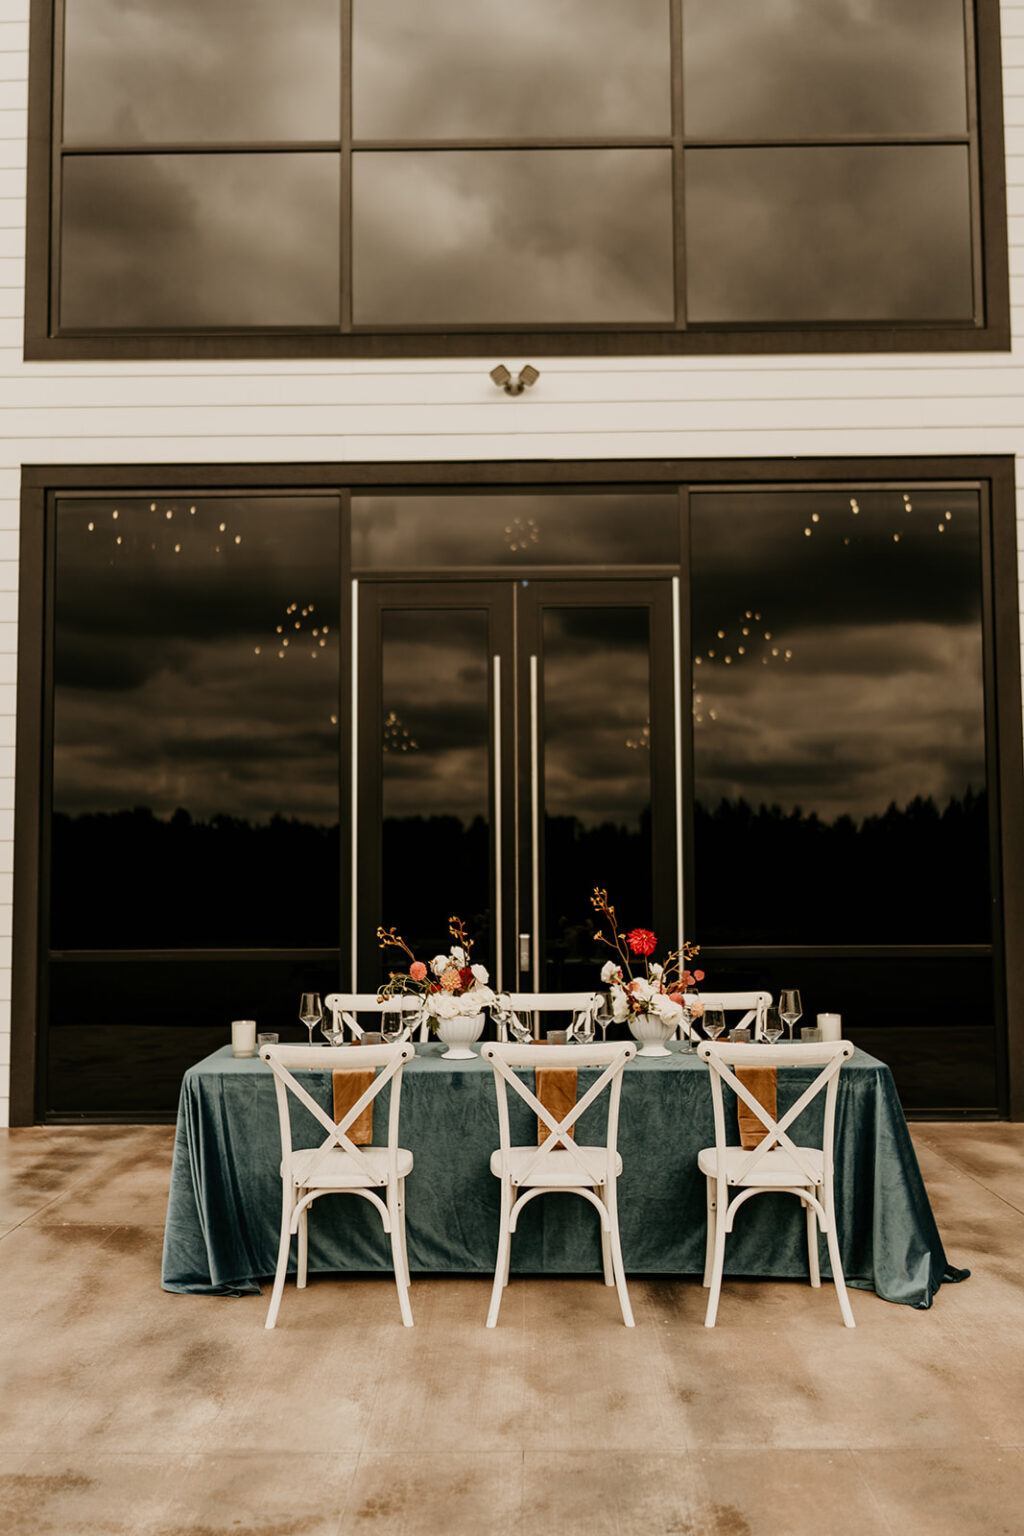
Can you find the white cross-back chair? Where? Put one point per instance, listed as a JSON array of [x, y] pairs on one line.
[[343, 1007], [337, 1166], [752, 1005], [550, 1002], [776, 1164], [558, 1163]]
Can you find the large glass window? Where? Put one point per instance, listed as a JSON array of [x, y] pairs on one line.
[[395, 175]]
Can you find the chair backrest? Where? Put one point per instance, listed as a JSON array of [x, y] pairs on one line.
[[344, 1006], [829, 1055], [504, 1060], [282, 1059], [753, 1005], [554, 1002]]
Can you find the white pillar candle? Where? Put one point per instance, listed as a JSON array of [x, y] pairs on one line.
[[243, 1037], [831, 1026]]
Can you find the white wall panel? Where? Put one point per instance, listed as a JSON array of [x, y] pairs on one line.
[[392, 411]]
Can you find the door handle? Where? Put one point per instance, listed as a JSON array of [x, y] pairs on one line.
[[498, 935], [524, 951], [534, 820]]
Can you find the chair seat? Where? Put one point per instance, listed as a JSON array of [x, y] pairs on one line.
[[559, 1170], [339, 1169], [775, 1168]]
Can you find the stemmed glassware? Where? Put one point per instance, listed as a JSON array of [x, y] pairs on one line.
[[772, 1025], [689, 1020], [583, 1027], [714, 1022], [310, 1011], [604, 1016], [790, 1008], [392, 1025]]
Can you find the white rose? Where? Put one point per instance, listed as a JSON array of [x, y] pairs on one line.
[[656, 971], [480, 974], [444, 1006], [610, 972], [665, 1008], [458, 956], [439, 964], [642, 989], [620, 1009]]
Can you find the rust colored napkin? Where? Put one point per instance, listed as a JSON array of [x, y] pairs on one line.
[[350, 1083], [762, 1083], [556, 1089]]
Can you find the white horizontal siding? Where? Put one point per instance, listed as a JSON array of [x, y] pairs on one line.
[[58, 413]]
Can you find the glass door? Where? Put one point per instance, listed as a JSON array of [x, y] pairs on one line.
[[516, 746]]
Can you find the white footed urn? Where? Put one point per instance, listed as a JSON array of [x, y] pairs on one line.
[[459, 1032], [650, 1031]]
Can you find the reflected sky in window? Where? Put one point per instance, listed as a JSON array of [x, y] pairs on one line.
[[484, 69], [402, 533], [512, 237], [800, 68], [184, 666], [200, 240], [192, 71], [859, 681], [840, 233]]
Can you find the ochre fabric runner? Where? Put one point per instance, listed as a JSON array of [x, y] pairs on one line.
[[556, 1089], [350, 1083], [762, 1083]]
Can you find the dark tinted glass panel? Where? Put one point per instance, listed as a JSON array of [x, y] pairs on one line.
[[187, 71], [195, 719], [840, 233], [839, 752], [930, 1020], [399, 533], [434, 770], [508, 237], [597, 776], [431, 69], [200, 240], [806, 67], [122, 1034]]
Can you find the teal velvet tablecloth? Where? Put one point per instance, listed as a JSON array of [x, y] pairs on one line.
[[225, 1197]]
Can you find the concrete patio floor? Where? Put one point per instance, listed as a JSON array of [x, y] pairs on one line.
[[127, 1410]]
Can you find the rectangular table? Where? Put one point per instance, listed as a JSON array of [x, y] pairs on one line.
[[223, 1217]]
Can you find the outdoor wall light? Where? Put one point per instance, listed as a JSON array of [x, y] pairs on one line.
[[514, 384]]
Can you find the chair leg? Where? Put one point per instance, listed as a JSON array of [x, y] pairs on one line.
[[837, 1270], [502, 1260], [618, 1268], [812, 1245], [709, 1245], [717, 1265], [282, 1261], [405, 1243], [303, 1255], [397, 1257], [606, 1246]]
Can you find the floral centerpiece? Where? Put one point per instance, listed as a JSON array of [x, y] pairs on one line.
[[454, 992], [651, 1002]]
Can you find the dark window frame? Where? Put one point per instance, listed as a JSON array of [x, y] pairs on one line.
[[990, 330], [41, 485]]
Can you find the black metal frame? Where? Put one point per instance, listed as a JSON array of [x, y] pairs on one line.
[[989, 330], [993, 475]]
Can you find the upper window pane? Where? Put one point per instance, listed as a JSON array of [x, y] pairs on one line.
[[804, 68], [842, 233], [838, 706], [484, 69], [187, 71], [200, 240], [512, 237], [409, 533], [195, 723]]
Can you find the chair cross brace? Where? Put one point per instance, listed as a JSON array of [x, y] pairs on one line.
[[558, 1129], [776, 1129]]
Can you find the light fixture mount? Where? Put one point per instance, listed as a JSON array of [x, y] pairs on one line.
[[515, 383]]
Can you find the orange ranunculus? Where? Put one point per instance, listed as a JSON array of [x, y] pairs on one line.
[[418, 971], [641, 941]]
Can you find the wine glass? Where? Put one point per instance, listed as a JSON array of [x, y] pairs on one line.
[[521, 1030], [690, 1018], [331, 1034], [714, 1022], [501, 1013], [772, 1025], [310, 1011], [392, 1025], [604, 1016], [790, 1009], [583, 1027]]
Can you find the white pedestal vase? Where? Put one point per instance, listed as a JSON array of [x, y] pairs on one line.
[[459, 1033], [651, 1032]]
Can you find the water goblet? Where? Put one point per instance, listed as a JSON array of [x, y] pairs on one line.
[[583, 1027], [772, 1025], [604, 1016], [392, 1025], [521, 1030], [310, 1011], [714, 1022], [790, 1008]]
